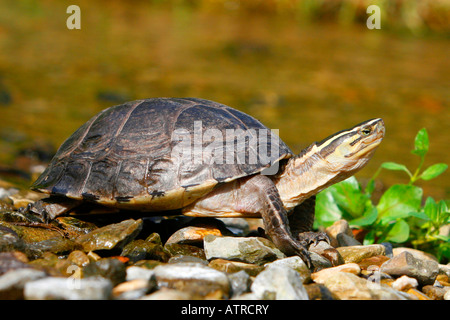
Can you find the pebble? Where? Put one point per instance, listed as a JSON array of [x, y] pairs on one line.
[[239, 282], [404, 283], [296, 264], [249, 250], [168, 294], [417, 295], [13, 282], [344, 240], [279, 282], [175, 249], [447, 295], [348, 286], [358, 253], [111, 236], [339, 227], [109, 268], [322, 275], [133, 289], [54, 288], [324, 249], [434, 292], [318, 291], [125, 261], [133, 273], [10, 240], [425, 271], [372, 261], [144, 250], [416, 253], [235, 266], [196, 278], [13, 260], [192, 235]]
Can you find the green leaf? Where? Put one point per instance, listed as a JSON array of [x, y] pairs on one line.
[[369, 217], [370, 187], [442, 237], [399, 232], [398, 201], [349, 198], [433, 171], [394, 166], [420, 215], [421, 143], [431, 209], [327, 211]]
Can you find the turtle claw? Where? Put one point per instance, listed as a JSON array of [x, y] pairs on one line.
[[312, 238]]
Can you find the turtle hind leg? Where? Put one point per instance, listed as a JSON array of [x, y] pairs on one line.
[[301, 222], [48, 209]]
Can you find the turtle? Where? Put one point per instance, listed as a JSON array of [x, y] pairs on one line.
[[200, 158]]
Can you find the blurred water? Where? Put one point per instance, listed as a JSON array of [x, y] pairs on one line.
[[307, 80]]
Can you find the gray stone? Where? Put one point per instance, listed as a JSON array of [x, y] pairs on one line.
[[192, 277], [134, 273], [109, 268], [425, 271], [13, 282], [344, 240], [12, 260], [418, 254], [295, 263], [239, 226], [319, 262], [388, 248], [279, 282], [249, 250], [10, 240], [53, 288], [239, 282]]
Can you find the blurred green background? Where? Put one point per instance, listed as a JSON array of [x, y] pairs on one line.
[[306, 67]]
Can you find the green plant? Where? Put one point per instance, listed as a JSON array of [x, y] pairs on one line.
[[399, 216]]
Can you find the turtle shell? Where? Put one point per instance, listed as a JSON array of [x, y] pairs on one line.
[[159, 154]]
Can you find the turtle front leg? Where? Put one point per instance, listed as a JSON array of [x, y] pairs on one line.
[[252, 197], [276, 222]]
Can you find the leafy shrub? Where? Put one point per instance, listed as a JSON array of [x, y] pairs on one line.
[[400, 215]]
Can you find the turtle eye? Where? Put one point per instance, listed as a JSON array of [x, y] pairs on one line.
[[366, 131]]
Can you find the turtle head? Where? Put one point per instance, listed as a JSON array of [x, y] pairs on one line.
[[329, 161], [348, 151]]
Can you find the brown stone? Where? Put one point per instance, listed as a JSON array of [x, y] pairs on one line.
[[372, 261]]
